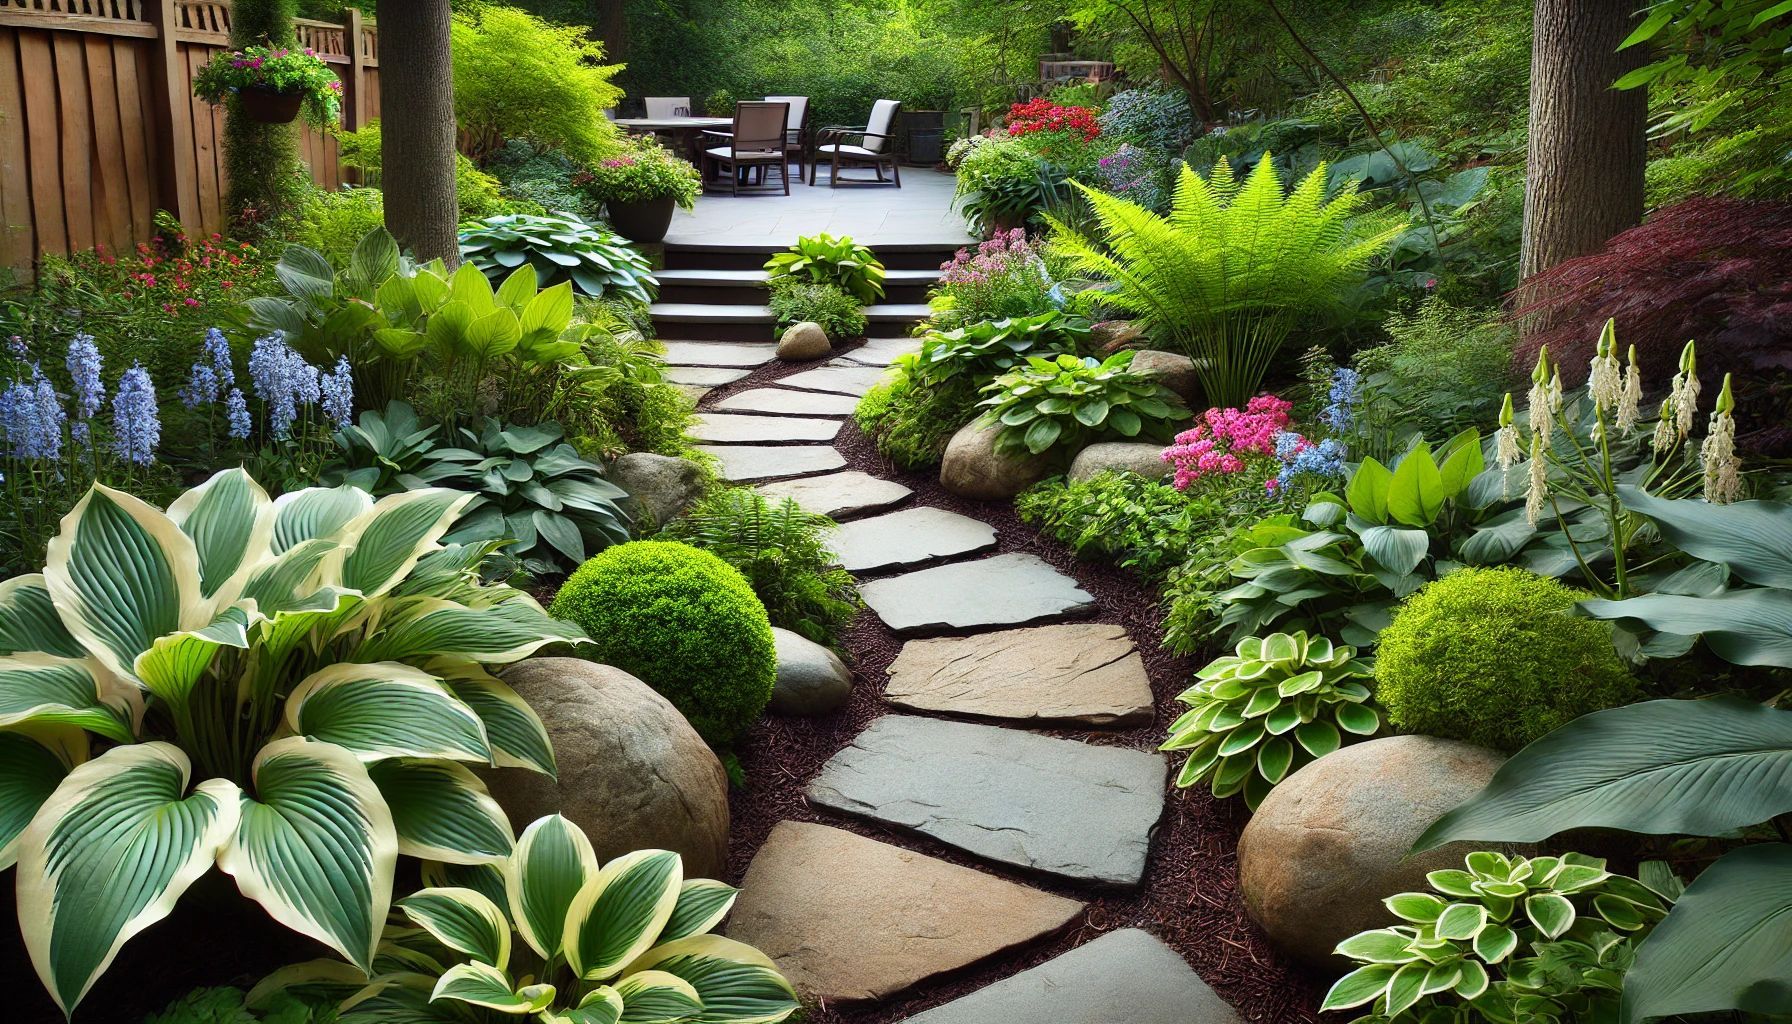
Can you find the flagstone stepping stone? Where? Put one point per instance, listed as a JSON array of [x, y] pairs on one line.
[[878, 352], [1006, 590], [909, 537], [840, 380], [732, 428], [703, 376], [779, 402], [719, 353], [1126, 975], [849, 918], [839, 495], [1083, 672], [743, 463], [1061, 807]]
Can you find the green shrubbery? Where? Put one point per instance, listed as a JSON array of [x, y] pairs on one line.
[[1493, 656], [911, 421], [685, 623], [794, 301]]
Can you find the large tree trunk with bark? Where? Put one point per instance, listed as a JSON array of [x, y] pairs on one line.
[[417, 127], [261, 161], [1584, 179]]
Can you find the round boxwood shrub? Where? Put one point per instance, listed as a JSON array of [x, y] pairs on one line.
[[682, 621], [1492, 656]]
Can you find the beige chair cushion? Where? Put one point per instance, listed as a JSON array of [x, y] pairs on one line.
[[883, 115], [858, 151], [724, 153]]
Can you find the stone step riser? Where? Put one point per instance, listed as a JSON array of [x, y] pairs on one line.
[[683, 291], [753, 258], [764, 331]]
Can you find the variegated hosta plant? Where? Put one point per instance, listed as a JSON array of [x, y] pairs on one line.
[[1271, 706], [289, 689], [627, 941], [1510, 940]]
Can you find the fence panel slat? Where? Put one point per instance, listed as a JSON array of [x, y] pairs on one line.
[[18, 232], [37, 68]]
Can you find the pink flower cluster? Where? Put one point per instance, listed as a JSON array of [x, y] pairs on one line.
[[1007, 251], [1228, 441]]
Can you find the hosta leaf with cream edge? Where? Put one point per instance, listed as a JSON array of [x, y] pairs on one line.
[[625, 941], [285, 688]]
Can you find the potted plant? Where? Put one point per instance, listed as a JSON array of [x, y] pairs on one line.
[[640, 187], [273, 84]]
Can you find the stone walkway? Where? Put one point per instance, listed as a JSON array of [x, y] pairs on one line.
[[993, 651]]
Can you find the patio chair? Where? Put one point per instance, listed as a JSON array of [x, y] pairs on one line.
[[796, 134], [757, 142], [668, 106], [875, 148]]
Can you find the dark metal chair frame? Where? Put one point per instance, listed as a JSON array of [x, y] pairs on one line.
[[745, 153], [835, 136]]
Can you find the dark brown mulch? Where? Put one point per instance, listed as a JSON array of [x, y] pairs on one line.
[[1189, 897]]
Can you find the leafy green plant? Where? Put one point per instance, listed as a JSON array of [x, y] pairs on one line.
[[1545, 940], [1274, 704], [783, 553], [225, 1005], [1234, 268], [1140, 523], [560, 249], [1440, 373], [1069, 402], [911, 420], [794, 301], [517, 76], [278, 651], [685, 623], [334, 222], [824, 259], [477, 193], [643, 172], [1003, 185], [982, 350], [539, 179], [273, 69]]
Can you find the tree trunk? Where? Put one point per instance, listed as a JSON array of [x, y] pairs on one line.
[[266, 185], [610, 18], [417, 128], [1584, 179]]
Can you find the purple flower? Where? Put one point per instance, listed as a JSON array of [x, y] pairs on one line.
[[84, 369], [217, 349], [237, 408], [31, 418], [136, 424], [15, 347], [283, 381], [339, 394], [1346, 391], [1325, 459], [201, 387]]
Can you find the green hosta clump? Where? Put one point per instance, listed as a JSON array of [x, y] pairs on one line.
[[1274, 704], [1069, 402], [824, 259], [983, 350], [289, 689], [1510, 940], [560, 248], [551, 934]]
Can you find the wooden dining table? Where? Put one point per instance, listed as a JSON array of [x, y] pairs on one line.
[[686, 129]]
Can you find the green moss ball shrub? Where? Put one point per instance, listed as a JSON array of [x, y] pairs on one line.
[[1492, 656], [682, 621]]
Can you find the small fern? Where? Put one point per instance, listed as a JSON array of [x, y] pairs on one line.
[[1233, 268]]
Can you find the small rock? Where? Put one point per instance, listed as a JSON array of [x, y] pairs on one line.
[[1330, 842], [662, 486], [1173, 370], [812, 680], [972, 468], [632, 772], [1119, 457], [804, 341], [1111, 335]]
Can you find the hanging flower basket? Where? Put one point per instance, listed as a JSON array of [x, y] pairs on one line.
[[270, 107], [273, 84]]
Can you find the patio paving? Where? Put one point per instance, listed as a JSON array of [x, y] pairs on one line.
[[919, 213]]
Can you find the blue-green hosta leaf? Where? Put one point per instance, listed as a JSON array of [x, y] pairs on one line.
[[173, 664], [620, 913], [1744, 627], [386, 709], [316, 846], [1753, 538], [1661, 767], [480, 984], [736, 982], [231, 521], [551, 865], [33, 762], [315, 513], [442, 811], [485, 879], [109, 853], [500, 634], [121, 575], [702, 903], [463, 920], [518, 739], [1396, 549], [1726, 945], [28, 620], [655, 997], [390, 537], [44, 689]]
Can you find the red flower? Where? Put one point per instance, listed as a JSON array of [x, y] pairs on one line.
[[1042, 115]]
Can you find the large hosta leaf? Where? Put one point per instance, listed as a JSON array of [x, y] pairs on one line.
[[385, 709], [464, 920], [655, 997], [316, 846], [1753, 538], [46, 689], [231, 521], [518, 738], [316, 513], [33, 762], [620, 913], [174, 663], [737, 983], [495, 635], [391, 536], [1726, 945], [551, 865], [109, 854], [702, 903], [1659, 767], [28, 620], [1744, 627], [480, 984], [442, 812]]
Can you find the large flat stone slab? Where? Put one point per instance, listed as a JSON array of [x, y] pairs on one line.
[[1090, 673], [1126, 975], [779, 402], [839, 494], [850, 918], [703, 376], [839, 380], [734, 428], [878, 352], [1061, 807], [719, 353], [743, 463], [909, 537], [1007, 590]]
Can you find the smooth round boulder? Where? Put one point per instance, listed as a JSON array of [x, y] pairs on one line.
[[972, 468], [632, 772], [1171, 369], [812, 680], [803, 341], [1330, 842], [662, 486], [1147, 460]]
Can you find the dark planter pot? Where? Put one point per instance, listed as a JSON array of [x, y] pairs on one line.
[[644, 221], [270, 107]]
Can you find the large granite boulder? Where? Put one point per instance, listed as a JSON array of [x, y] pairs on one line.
[[972, 468], [812, 680], [1119, 457], [662, 486], [804, 341], [1330, 842], [632, 772], [1171, 369]]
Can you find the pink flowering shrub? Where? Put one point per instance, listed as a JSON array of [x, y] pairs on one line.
[[1003, 277], [1227, 442]]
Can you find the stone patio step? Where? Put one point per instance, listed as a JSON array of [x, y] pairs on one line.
[[780, 402], [1015, 589], [840, 380], [710, 313], [1125, 975], [733, 354], [905, 312], [709, 284], [1083, 673], [751, 255], [910, 537], [847, 918], [731, 428], [1061, 807], [839, 495], [704, 376], [877, 352], [744, 463]]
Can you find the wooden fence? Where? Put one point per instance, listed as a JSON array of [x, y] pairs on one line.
[[99, 127]]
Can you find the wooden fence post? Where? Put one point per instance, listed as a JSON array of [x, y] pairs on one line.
[[173, 145], [354, 109]]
